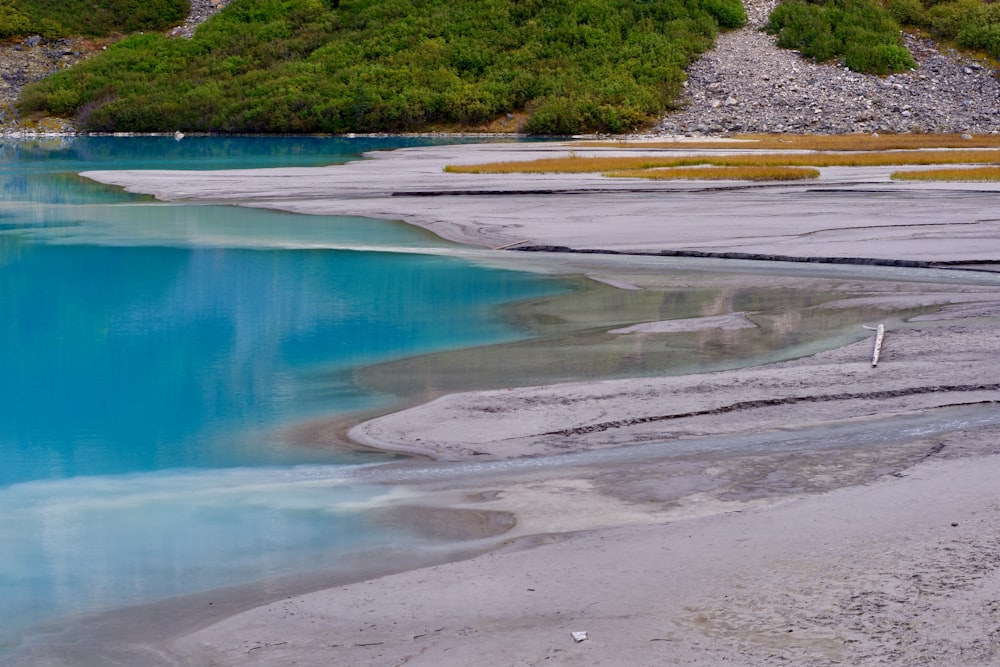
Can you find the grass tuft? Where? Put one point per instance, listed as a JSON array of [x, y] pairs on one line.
[[969, 174], [719, 173], [577, 165], [758, 159]]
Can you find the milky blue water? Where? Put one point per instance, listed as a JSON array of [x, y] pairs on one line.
[[151, 354]]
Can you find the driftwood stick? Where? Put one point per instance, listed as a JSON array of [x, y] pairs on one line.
[[879, 335]]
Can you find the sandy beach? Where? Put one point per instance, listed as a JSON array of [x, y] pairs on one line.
[[815, 510]]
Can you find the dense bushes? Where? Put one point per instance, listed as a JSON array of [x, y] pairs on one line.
[[56, 18], [860, 32], [865, 34], [12, 22], [972, 24], [396, 65]]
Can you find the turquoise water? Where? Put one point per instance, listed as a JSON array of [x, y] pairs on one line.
[[151, 354]]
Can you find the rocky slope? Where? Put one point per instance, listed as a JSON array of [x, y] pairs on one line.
[[200, 11], [26, 60], [747, 84]]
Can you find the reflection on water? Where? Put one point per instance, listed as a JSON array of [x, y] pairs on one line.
[[101, 542], [573, 340], [133, 358], [45, 171], [150, 354], [120, 359], [149, 223]]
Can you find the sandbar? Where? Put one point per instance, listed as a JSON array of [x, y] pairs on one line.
[[845, 213]]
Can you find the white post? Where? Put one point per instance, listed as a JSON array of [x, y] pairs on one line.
[[879, 335]]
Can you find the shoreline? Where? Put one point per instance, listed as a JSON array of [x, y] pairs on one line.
[[803, 554], [848, 212], [815, 580]]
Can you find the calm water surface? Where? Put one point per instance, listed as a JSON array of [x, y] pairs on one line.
[[150, 355]]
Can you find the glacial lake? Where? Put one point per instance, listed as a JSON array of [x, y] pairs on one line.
[[151, 354]]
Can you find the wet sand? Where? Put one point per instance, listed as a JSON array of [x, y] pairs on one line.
[[877, 548]]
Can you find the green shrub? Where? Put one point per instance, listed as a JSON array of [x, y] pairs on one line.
[[877, 58], [971, 24], [968, 23], [562, 115], [727, 13], [12, 22], [397, 65], [906, 12], [948, 20], [95, 17], [860, 32], [982, 38]]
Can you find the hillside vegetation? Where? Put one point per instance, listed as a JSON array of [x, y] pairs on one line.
[[861, 32], [865, 34], [970, 24], [396, 65], [91, 18]]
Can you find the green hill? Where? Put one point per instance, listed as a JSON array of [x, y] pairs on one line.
[[308, 66]]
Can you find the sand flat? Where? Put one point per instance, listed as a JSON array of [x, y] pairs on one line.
[[847, 212], [855, 576]]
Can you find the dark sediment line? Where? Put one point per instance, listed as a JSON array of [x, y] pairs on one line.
[[544, 192], [965, 265], [508, 193], [770, 402]]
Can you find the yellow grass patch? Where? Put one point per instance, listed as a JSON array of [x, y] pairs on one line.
[[576, 164], [874, 159], [720, 173], [839, 142], [972, 174]]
